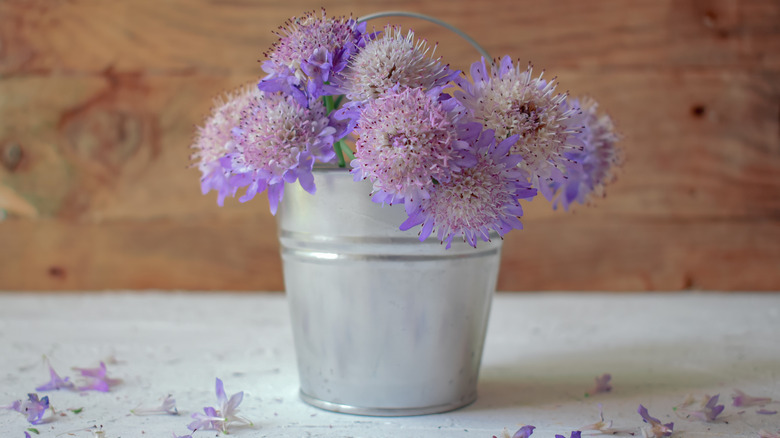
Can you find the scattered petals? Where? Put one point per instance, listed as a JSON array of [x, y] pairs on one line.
[[574, 434], [55, 381], [602, 384], [220, 419], [739, 398], [603, 426], [33, 407], [657, 428], [97, 379], [168, 407], [523, 432], [765, 412], [709, 408]]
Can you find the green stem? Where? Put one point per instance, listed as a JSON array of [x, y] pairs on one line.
[[338, 147]]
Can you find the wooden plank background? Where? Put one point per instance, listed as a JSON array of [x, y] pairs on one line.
[[99, 99]]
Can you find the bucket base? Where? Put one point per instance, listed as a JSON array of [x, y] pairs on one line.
[[384, 412]]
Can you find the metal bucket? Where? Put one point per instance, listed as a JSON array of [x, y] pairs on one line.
[[383, 324]]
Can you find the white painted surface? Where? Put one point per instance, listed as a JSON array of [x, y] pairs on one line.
[[542, 353]]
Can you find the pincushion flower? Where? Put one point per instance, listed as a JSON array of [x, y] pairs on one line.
[[214, 138], [276, 142], [597, 160], [511, 101], [309, 50], [389, 60], [477, 200], [407, 139]]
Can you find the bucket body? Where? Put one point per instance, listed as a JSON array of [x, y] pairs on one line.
[[383, 324]]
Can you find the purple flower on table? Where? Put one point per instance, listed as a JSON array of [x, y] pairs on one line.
[[708, 411], [309, 51], [168, 406], [574, 434], [55, 381], [409, 139], [602, 384], [477, 200], [595, 163], [765, 412], [97, 379], [511, 101], [523, 432], [33, 407], [390, 60], [657, 428], [220, 418], [276, 142], [740, 399]]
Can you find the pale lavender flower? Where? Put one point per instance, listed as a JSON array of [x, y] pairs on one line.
[[310, 49], [477, 200], [595, 163], [223, 417], [574, 434], [708, 411], [408, 140], [602, 384], [764, 434], [740, 399], [510, 101], [33, 407], [658, 429], [97, 379], [27, 435], [276, 142], [766, 412], [389, 60], [214, 138], [55, 381], [168, 406]]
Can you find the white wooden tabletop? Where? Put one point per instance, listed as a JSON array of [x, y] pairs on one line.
[[542, 355]]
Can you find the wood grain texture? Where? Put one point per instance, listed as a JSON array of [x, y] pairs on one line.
[[99, 100]]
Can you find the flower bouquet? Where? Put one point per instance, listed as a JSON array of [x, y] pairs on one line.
[[392, 140], [459, 151]]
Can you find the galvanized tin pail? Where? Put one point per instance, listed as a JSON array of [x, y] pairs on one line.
[[383, 324]]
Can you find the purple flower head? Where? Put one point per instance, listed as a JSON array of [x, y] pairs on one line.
[[595, 163], [740, 399], [574, 434], [510, 101], [55, 381], [477, 200], [310, 49], [657, 428], [407, 138], [276, 142], [33, 407], [219, 418], [389, 60], [214, 138]]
